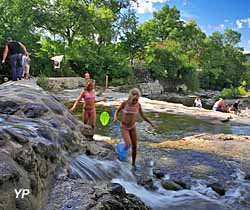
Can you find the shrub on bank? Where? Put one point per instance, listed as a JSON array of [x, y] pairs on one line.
[[233, 92], [43, 81]]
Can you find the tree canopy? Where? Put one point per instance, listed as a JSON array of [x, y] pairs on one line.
[[105, 37]]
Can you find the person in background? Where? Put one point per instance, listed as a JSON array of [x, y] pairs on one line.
[[197, 102], [86, 78], [13, 48], [235, 107], [26, 67], [88, 111], [130, 109], [218, 105]]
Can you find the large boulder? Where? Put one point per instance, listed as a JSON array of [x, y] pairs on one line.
[[36, 132], [61, 83]]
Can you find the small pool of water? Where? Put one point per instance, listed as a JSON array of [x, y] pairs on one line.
[[169, 126]]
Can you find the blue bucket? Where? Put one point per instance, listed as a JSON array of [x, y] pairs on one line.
[[122, 151]]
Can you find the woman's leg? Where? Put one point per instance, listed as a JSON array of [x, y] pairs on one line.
[[20, 66], [126, 136], [133, 136], [93, 118], [85, 117], [13, 61]]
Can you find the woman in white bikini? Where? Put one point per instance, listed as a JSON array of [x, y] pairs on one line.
[[130, 108]]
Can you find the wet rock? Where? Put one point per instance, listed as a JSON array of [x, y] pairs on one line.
[[158, 173], [32, 137], [26, 158], [92, 196], [8, 107], [181, 183], [17, 136], [170, 185], [218, 188], [46, 133], [66, 136], [3, 138], [117, 189], [53, 105], [247, 177], [8, 171], [147, 182], [34, 110]]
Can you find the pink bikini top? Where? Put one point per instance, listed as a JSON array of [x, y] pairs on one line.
[[131, 108], [89, 96]]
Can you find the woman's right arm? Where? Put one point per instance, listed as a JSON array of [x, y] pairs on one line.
[[5, 53], [118, 110], [77, 101]]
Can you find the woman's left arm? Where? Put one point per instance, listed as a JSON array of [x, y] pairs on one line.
[[144, 117], [105, 100]]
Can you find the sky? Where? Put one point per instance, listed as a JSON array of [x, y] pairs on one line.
[[210, 15]]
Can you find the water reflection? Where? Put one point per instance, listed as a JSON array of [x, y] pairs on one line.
[[169, 126]]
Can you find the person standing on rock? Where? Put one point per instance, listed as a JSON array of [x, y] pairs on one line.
[[89, 111], [13, 48], [130, 108]]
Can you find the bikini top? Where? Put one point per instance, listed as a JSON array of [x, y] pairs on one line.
[[89, 96], [131, 108]]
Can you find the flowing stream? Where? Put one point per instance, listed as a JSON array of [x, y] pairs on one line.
[[199, 196]]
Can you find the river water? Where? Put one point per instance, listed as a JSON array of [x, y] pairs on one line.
[[169, 127], [199, 196]]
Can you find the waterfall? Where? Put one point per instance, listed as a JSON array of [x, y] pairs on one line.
[[96, 170]]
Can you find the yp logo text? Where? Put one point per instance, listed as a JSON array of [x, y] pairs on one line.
[[22, 193]]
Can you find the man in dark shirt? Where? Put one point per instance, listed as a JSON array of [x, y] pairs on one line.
[[13, 48], [236, 106]]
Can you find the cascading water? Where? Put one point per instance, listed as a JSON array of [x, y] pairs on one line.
[[95, 170], [199, 197], [174, 200]]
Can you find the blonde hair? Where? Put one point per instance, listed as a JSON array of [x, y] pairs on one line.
[[88, 83], [133, 93]]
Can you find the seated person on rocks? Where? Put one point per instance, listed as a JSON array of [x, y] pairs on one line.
[[218, 105], [229, 108], [197, 102]]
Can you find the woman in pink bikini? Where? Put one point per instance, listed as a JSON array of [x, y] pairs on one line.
[[130, 108], [89, 112]]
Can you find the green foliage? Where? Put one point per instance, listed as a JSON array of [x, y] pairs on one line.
[[233, 92], [222, 64], [104, 37], [167, 62], [43, 82]]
